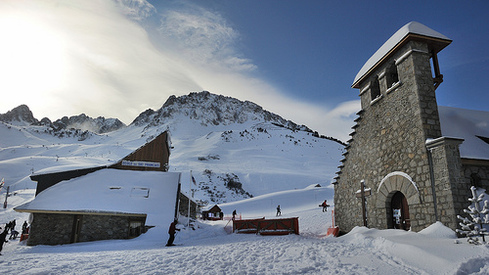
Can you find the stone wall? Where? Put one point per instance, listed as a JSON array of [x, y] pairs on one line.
[[450, 185], [389, 138], [50, 229], [54, 229], [98, 227]]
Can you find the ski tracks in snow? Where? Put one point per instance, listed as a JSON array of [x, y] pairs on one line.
[[225, 254]]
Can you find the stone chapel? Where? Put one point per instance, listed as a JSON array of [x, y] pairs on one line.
[[413, 175]]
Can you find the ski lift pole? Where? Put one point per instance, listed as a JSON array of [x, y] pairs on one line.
[[190, 190], [6, 196]]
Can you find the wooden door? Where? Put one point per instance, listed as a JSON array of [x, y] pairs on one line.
[[400, 212], [75, 233]]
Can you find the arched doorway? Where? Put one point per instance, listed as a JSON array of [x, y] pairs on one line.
[[400, 211]]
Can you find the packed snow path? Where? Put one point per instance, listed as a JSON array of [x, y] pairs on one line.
[[210, 250]]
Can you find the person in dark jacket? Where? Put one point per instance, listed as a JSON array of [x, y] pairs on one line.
[[24, 228], [172, 230], [325, 206], [3, 239]]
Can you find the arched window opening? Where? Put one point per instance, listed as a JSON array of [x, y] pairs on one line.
[[375, 88], [392, 75]]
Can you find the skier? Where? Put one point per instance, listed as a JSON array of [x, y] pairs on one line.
[[172, 232], [279, 212], [234, 214], [24, 227], [325, 206], [3, 239], [13, 234]]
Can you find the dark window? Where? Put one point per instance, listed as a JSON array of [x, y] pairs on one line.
[[475, 180], [392, 76], [375, 88], [136, 228]]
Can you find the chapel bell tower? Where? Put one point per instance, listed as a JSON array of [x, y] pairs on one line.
[[387, 149]]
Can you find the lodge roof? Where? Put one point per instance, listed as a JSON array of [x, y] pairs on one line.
[[112, 191]]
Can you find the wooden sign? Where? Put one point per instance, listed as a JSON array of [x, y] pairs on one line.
[[141, 163]]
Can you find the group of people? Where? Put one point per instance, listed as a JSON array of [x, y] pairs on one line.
[[10, 227]]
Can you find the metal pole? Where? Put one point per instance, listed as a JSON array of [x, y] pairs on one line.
[[190, 190], [178, 197], [364, 209], [432, 179], [6, 196]]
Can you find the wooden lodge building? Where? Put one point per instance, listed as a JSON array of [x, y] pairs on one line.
[[117, 201], [214, 213], [414, 171]]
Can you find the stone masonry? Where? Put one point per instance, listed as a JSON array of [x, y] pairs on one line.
[[55, 229], [397, 147], [388, 147]]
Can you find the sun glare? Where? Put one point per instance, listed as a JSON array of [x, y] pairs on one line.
[[32, 59]]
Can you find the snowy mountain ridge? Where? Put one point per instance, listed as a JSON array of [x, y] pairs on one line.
[[234, 149], [22, 116], [211, 109]]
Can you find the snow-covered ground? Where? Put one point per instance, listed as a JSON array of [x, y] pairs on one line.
[[210, 249]]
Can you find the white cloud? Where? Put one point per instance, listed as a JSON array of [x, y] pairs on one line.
[[109, 65], [203, 37], [137, 10]]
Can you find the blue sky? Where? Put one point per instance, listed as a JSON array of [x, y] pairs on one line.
[[315, 48], [294, 58]]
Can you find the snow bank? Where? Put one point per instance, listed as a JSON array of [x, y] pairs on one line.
[[438, 230]]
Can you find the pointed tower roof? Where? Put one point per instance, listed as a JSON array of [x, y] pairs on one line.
[[411, 31]]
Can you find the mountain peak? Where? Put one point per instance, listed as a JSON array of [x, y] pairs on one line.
[[211, 109], [83, 122], [21, 114]]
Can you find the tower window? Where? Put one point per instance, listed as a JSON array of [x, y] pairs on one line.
[[375, 88], [392, 77]]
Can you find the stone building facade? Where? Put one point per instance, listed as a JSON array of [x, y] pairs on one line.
[[414, 175], [63, 228], [138, 181]]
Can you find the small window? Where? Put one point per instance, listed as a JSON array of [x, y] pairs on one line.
[[136, 228], [374, 88], [475, 180], [392, 77]]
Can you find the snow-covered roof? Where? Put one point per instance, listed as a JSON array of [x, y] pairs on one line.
[[112, 191], [466, 124], [393, 42]]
